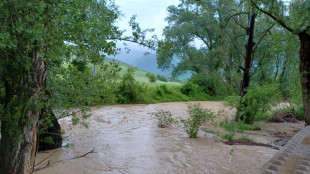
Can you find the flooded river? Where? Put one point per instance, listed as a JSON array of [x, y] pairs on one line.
[[126, 139]]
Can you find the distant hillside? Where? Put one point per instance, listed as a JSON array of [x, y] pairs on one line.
[[144, 62], [140, 75], [149, 63]]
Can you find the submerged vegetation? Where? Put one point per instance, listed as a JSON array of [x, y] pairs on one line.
[[164, 118]]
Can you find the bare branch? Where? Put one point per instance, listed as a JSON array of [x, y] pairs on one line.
[[47, 157], [232, 16], [51, 164]]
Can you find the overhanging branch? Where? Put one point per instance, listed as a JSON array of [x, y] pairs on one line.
[[273, 17]]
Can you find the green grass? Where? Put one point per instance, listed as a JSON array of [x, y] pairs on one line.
[[240, 126], [140, 76]]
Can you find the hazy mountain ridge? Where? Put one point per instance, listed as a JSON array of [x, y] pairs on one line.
[[144, 62]]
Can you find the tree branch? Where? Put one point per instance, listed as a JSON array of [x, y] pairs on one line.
[[232, 16], [264, 34], [239, 24], [201, 38], [51, 164], [274, 18]]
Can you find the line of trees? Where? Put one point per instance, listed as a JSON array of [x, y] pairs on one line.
[[242, 43]]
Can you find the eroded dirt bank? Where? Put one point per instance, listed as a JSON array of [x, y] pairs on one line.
[[127, 140]]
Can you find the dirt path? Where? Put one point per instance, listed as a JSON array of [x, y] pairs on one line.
[[127, 140]]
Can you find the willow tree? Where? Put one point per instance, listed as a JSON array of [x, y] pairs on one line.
[[193, 22], [34, 34], [295, 19]]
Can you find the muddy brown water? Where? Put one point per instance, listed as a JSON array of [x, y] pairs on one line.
[[127, 140]]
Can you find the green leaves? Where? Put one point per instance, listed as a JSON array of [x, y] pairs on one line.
[[258, 100], [164, 118], [197, 116]]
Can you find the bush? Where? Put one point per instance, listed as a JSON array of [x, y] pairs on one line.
[[189, 89], [152, 77], [162, 78], [296, 101], [229, 136], [258, 100], [197, 116], [210, 84], [164, 118], [130, 91], [164, 93]]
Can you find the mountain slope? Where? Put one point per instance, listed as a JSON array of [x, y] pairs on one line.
[[144, 62]]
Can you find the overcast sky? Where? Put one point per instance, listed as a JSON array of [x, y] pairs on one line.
[[150, 13]]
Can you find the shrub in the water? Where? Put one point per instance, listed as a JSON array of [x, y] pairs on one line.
[[197, 116]]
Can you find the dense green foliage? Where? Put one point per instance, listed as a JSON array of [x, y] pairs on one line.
[[259, 101], [73, 88], [217, 61], [53, 28], [131, 91], [152, 77]]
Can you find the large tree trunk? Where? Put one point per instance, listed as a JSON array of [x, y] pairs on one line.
[[249, 55], [18, 157], [305, 72], [248, 61]]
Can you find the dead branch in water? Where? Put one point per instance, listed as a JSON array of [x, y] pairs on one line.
[[46, 158], [53, 163], [249, 143]]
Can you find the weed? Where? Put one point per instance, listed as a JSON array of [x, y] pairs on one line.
[[232, 151], [243, 138], [229, 136]]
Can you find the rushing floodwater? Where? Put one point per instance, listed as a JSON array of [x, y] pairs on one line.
[[127, 140]]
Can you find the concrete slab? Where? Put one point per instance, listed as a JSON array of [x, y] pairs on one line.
[[293, 158]]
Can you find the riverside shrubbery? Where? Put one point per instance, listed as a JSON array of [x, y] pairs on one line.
[[131, 91], [73, 86], [197, 116], [257, 101]]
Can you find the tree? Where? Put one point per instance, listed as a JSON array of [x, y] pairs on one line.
[[296, 22], [202, 21], [33, 36], [152, 77]]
